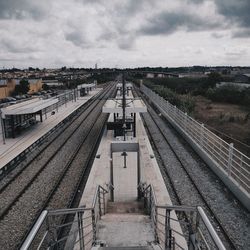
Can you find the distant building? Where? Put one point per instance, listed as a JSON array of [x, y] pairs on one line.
[[241, 86], [194, 75], [150, 75], [52, 83], [8, 86], [35, 85]]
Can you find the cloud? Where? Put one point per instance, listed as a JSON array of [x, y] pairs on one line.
[[70, 32], [22, 9], [241, 33], [13, 45], [235, 11], [217, 35], [169, 22], [77, 39]]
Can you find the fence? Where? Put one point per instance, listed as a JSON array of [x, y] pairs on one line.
[[196, 227], [233, 164], [67, 228]]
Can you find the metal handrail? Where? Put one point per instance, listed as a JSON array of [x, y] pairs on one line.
[[195, 229], [210, 228], [207, 140], [34, 231], [71, 211]]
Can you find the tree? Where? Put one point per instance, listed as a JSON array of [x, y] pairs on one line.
[[22, 87], [213, 78], [46, 86]]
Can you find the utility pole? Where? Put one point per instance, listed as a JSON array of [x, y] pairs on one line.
[[123, 107]]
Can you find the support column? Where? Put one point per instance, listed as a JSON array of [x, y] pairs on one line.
[[134, 125], [111, 180], [12, 126], [138, 172], [41, 116]]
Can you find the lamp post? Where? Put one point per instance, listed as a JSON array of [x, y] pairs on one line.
[[123, 108], [125, 157]]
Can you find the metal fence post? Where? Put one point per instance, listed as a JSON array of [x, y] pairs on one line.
[[175, 113], [103, 195], [185, 122], [155, 224], [150, 201], [167, 231], [80, 230], [99, 201], [201, 134], [93, 224], [230, 158]]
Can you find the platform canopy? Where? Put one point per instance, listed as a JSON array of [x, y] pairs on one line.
[[28, 107], [127, 85], [133, 105], [86, 85]]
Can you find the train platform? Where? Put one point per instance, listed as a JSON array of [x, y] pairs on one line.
[[125, 216], [125, 203], [14, 146]]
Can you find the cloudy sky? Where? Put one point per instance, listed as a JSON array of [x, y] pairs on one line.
[[124, 33]]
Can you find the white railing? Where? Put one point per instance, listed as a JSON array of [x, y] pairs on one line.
[[235, 164], [199, 232]]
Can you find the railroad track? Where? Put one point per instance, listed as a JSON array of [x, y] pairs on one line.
[[56, 138], [187, 188], [60, 174]]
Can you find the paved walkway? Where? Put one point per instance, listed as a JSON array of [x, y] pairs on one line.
[[14, 147], [125, 230]]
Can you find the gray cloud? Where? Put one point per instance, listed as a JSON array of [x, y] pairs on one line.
[[21, 9], [77, 39], [196, 1], [168, 22], [13, 46], [40, 31], [241, 33], [217, 35], [236, 11]]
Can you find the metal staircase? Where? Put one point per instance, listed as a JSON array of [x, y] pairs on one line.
[[141, 224]]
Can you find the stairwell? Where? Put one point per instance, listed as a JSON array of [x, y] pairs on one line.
[[125, 226]]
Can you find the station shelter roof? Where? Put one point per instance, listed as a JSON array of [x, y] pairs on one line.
[[86, 85], [127, 85], [133, 105], [28, 107]]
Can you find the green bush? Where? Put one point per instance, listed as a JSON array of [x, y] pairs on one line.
[[230, 94], [184, 102]]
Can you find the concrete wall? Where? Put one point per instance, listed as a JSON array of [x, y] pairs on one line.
[[240, 193], [36, 86]]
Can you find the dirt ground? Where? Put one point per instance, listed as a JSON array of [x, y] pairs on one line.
[[230, 122]]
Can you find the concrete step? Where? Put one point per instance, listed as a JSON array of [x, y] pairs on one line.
[[122, 230], [126, 207]]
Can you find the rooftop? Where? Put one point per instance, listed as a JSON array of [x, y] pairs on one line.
[[28, 107]]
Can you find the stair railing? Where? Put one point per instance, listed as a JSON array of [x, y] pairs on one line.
[[195, 229], [66, 228]]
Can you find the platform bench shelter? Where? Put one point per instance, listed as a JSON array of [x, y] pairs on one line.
[[85, 88], [19, 116], [114, 106]]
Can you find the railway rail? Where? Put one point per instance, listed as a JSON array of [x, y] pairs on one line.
[[192, 183], [50, 181]]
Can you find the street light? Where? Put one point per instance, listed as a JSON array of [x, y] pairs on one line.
[[125, 155]]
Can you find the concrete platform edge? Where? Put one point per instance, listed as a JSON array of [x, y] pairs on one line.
[[21, 156]]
